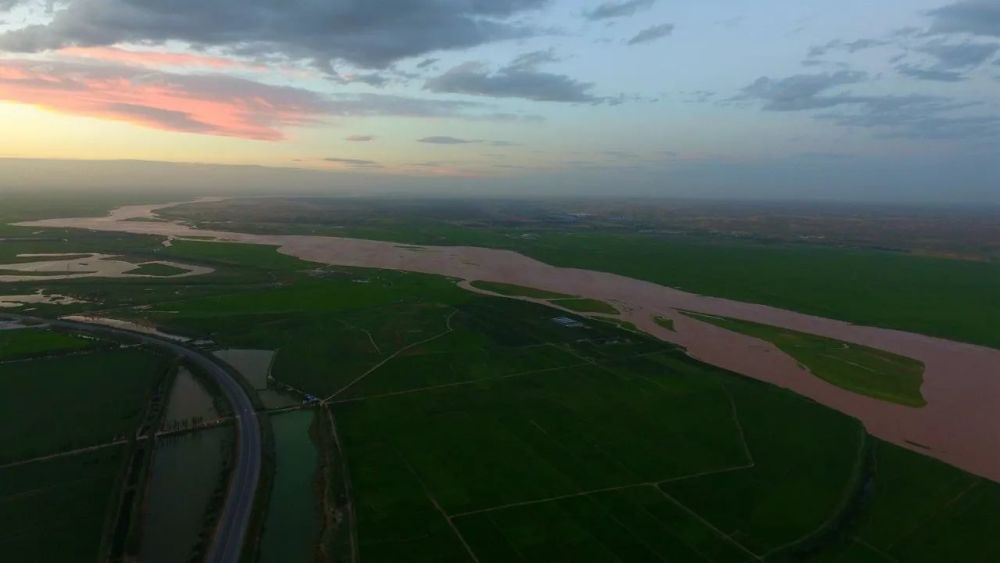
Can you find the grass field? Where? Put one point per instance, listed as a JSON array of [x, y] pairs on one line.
[[518, 291], [30, 342], [580, 451], [950, 520], [868, 371], [156, 269], [49, 405], [632, 524], [665, 322], [583, 305], [55, 510], [236, 254], [777, 502]]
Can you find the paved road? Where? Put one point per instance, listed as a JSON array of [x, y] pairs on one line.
[[235, 518]]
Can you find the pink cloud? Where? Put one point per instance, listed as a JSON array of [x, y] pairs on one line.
[[155, 58], [208, 104]]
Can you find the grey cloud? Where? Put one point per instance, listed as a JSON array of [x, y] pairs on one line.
[[381, 105], [919, 117], [359, 138], [263, 109], [951, 60], [848, 46], [376, 79], [446, 140], [609, 10], [533, 59], [801, 91], [699, 96], [511, 82], [525, 118], [977, 17], [936, 75], [426, 63], [620, 154], [363, 32], [357, 162], [169, 119], [651, 34], [913, 116], [962, 55]]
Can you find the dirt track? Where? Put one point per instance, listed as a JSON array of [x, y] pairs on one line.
[[959, 425]]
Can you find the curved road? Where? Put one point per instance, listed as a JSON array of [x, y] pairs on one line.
[[235, 518]]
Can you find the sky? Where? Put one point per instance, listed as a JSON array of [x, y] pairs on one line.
[[896, 100]]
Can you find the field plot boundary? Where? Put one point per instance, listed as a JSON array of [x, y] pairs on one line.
[[408, 347], [709, 525], [649, 484], [460, 383], [437, 506], [854, 487], [64, 453], [654, 484]]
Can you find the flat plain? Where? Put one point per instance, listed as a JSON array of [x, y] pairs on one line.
[[43, 400], [451, 426], [56, 510]]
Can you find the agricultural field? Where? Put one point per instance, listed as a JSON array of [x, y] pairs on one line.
[[518, 291], [156, 269], [582, 305], [429, 423], [861, 369], [941, 523], [616, 446], [31, 342], [97, 397], [245, 255]]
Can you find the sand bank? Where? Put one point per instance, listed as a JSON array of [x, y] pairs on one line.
[[92, 265]]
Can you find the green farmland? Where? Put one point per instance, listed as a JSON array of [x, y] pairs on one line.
[[32, 342], [458, 427], [861, 369], [108, 390], [234, 254], [518, 291], [586, 306], [155, 269], [55, 510], [469, 424]]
